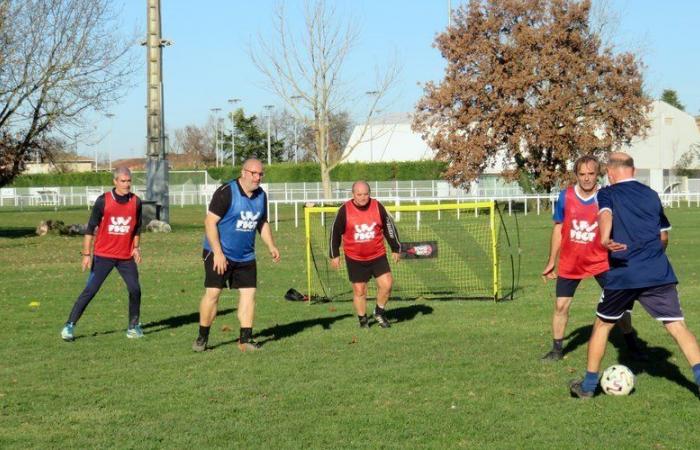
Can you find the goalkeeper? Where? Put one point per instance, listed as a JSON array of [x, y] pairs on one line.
[[361, 224]]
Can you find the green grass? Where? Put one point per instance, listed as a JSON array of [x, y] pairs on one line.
[[448, 374]]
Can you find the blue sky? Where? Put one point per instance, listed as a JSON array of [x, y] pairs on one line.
[[209, 63]]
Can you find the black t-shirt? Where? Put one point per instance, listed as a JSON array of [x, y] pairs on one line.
[[98, 210]]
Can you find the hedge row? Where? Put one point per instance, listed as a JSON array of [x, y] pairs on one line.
[[276, 173]]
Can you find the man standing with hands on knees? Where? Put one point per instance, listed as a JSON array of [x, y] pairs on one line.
[[237, 210], [363, 223]]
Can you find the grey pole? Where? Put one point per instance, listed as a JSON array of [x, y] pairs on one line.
[[269, 142], [109, 140], [216, 133], [232, 102]]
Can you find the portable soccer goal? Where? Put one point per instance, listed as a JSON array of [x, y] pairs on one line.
[[448, 250]]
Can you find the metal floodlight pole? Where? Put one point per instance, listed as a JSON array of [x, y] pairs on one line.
[[232, 102], [216, 133], [109, 140], [269, 142]]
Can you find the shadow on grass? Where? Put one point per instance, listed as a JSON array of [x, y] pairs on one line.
[[19, 232], [179, 321], [406, 313], [658, 362]]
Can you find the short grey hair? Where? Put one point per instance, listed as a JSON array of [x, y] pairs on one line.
[[121, 171]]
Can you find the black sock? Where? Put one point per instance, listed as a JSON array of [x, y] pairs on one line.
[[204, 332], [557, 344], [246, 335], [362, 319], [378, 310], [631, 341]]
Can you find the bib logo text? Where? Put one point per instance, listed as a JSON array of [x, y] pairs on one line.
[[119, 225], [364, 232], [582, 232], [248, 221]]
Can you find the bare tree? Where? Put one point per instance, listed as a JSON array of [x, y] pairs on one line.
[[306, 71], [58, 60], [528, 85], [194, 143]]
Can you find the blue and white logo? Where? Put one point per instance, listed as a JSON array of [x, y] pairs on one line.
[[248, 221]]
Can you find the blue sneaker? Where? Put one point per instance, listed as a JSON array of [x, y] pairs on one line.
[[67, 332], [134, 332]]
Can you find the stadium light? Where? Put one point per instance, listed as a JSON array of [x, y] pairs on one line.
[[269, 143], [233, 101]]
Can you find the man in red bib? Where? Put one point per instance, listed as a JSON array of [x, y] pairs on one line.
[[363, 223], [575, 239], [116, 216]]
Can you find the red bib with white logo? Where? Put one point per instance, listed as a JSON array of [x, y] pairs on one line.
[[115, 234], [581, 254], [363, 239]]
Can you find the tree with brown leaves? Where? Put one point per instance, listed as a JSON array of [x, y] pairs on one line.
[[528, 86]]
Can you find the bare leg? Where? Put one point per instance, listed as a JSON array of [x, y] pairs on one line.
[[359, 298], [560, 317], [597, 344], [685, 339], [246, 307], [384, 284], [208, 306]]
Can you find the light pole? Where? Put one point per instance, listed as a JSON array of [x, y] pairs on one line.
[[232, 102], [296, 98], [109, 140], [269, 142], [369, 124], [216, 133]]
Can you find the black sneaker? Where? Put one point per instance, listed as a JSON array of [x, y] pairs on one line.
[[381, 320], [249, 346], [364, 322], [199, 344], [553, 355], [576, 389]]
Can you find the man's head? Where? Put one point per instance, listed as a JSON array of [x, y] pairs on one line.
[[586, 169], [251, 174], [360, 193], [620, 167], [122, 180]]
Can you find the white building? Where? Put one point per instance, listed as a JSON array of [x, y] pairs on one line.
[[672, 133]]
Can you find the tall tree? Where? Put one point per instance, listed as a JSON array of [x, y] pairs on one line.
[[529, 86], [671, 97], [306, 71], [251, 139], [58, 59]]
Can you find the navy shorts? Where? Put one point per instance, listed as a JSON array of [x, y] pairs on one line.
[[237, 275], [661, 302], [362, 271], [566, 287]]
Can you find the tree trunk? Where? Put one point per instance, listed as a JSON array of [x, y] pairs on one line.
[[326, 181]]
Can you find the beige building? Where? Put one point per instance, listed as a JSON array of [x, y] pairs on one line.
[[75, 164]]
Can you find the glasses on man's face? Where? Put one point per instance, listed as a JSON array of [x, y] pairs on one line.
[[253, 173]]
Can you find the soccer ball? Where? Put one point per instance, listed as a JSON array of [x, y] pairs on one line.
[[617, 380]]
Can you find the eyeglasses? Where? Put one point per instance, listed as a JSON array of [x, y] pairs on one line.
[[252, 172]]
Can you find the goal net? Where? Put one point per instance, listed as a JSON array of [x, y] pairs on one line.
[[455, 250]]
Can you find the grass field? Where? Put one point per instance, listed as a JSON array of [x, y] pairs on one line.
[[448, 374]]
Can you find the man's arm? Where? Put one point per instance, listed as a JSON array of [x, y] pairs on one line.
[[336, 237], [605, 225], [87, 247], [211, 231], [266, 236], [554, 247], [664, 239], [391, 233]]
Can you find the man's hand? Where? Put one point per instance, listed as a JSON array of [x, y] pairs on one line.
[[614, 246], [549, 273], [275, 253], [335, 262], [136, 254], [87, 262], [220, 263], [396, 257]]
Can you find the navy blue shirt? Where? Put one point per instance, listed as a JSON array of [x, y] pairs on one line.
[[638, 220]]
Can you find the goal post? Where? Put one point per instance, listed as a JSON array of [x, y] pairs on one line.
[[449, 250]]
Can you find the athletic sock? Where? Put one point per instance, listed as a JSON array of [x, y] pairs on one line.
[[696, 372], [557, 344], [590, 381], [362, 318], [378, 310], [204, 332], [631, 341], [246, 335]]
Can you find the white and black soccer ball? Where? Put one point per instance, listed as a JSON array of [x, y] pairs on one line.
[[617, 380]]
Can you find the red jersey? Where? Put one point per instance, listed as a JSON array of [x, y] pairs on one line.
[[115, 234], [363, 239], [581, 254]]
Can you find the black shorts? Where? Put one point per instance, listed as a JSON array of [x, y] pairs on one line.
[[661, 302], [362, 271], [237, 275], [566, 287]]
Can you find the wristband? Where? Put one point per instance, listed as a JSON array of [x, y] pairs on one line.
[[85, 254]]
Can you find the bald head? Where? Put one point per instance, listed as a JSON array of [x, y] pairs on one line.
[[360, 193], [620, 167], [360, 185]]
